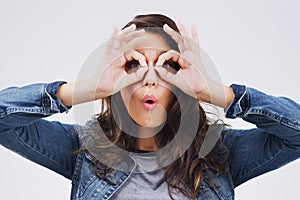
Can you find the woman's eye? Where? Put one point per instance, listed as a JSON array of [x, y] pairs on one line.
[[171, 66], [132, 66]]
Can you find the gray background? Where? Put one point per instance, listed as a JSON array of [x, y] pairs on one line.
[[252, 42]]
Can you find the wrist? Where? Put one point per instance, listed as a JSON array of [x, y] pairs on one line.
[[77, 93], [217, 94], [65, 94]]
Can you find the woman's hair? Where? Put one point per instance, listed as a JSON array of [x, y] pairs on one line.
[[187, 171]]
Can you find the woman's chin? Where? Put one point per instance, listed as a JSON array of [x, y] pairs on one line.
[[151, 124], [150, 129]]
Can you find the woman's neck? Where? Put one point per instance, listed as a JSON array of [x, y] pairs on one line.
[[147, 144], [146, 140]]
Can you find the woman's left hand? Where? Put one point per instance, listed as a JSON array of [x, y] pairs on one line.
[[192, 77]]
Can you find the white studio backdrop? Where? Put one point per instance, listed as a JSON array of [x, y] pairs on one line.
[[251, 42]]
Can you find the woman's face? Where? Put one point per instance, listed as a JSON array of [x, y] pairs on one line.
[[147, 101]]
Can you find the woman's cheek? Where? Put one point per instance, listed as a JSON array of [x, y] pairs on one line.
[[128, 93]]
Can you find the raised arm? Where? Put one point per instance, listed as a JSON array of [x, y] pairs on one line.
[[24, 131], [109, 75], [22, 109], [274, 143]]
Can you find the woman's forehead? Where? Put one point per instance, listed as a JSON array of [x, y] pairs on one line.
[[151, 52], [148, 41]]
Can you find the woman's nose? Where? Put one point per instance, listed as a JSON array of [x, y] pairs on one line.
[[150, 79]]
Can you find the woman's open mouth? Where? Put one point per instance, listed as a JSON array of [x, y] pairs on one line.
[[149, 102]]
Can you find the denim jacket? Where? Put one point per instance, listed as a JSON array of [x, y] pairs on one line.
[[274, 143]]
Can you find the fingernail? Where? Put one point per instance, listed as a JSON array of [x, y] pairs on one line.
[[166, 26], [141, 30], [132, 26]]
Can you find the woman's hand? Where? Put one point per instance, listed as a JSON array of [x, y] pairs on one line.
[[110, 76], [192, 77], [114, 77]]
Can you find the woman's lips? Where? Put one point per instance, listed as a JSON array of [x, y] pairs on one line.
[[149, 102], [149, 106]]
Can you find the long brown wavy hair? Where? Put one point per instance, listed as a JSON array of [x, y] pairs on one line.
[[186, 172]]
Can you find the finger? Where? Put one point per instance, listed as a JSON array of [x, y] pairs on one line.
[[189, 39], [115, 32], [175, 36], [116, 63], [137, 76], [117, 36], [135, 55], [122, 39], [194, 33], [182, 29], [184, 62], [110, 42], [131, 35], [128, 79], [128, 29], [165, 75], [131, 31], [169, 55]]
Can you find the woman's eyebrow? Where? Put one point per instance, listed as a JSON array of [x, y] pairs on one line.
[[160, 51]]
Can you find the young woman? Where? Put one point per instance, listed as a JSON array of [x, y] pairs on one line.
[[153, 138]]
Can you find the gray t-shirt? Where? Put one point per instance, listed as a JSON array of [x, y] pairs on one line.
[[146, 182]]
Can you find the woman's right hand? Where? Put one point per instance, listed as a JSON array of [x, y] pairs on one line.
[[114, 77], [111, 76]]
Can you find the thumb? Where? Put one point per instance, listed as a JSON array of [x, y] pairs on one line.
[[129, 79], [165, 75]]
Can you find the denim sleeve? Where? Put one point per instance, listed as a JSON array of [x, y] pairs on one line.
[[274, 143], [24, 131]]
